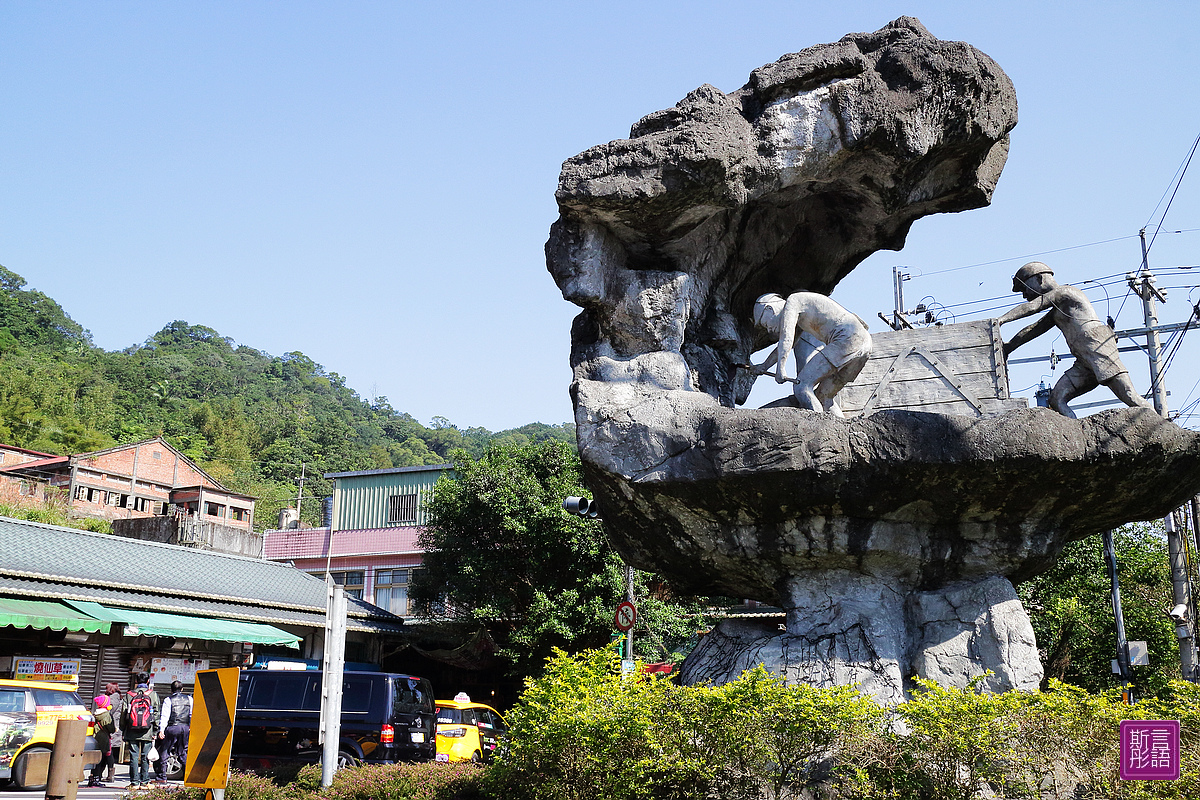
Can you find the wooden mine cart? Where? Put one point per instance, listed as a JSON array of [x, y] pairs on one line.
[[948, 369]]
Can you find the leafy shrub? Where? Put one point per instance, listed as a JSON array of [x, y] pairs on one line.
[[584, 731], [424, 781], [308, 777], [241, 786], [952, 741], [580, 732]]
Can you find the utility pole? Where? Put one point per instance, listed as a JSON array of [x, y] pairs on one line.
[[300, 494], [1195, 515], [899, 321], [1110, 556], [1143, 285], [1181, 592], [629, 598]]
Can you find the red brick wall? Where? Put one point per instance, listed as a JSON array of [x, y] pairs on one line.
[[168, 468], [12, 455]]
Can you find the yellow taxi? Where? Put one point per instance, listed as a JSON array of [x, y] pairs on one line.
[[29, 715], [467, 731]]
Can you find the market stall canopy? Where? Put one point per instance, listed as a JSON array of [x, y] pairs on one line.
[[154, 623], [49, 615]]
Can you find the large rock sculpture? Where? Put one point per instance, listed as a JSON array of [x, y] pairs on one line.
[[891, 540]]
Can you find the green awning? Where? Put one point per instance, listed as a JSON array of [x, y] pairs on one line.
[[157, 623], [48, 615]]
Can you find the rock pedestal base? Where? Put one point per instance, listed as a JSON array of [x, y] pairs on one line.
[[848, 629]]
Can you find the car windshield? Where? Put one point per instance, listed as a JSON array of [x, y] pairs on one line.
[[55, 697], [412, 696]]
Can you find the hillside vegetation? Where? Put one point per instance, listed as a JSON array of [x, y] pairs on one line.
[[247, 417]]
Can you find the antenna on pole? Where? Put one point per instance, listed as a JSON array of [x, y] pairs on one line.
[[899, 321]]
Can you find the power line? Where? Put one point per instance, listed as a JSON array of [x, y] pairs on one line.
[[1178, 181], [1027, 255], [1061, 250]]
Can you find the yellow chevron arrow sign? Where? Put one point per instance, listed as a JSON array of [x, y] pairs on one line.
[[211, 737]]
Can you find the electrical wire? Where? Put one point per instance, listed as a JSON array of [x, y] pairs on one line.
[[1178, 182], [1027, 255]]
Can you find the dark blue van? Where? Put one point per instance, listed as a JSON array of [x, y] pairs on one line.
[[386, 717]]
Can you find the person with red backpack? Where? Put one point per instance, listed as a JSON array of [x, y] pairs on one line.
[[139, 724]]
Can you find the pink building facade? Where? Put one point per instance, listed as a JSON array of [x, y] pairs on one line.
[[370, 546], [374, 564]]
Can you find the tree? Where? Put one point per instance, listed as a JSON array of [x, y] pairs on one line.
[[1072, 615], [502, 553], [249, 418]]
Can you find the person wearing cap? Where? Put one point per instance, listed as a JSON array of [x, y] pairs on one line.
[[115, 704], [822, 369], [1089, 339], [102, 730]]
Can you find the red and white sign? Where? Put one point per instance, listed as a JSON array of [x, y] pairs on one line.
[[626, 615]]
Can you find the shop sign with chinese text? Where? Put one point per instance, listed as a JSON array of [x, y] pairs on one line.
[[56, 670]]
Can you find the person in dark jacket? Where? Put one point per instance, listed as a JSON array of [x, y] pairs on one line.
[[174, 725], [140, 740], [115, 705], [102, 731]]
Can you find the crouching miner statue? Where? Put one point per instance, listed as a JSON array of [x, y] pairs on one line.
[[800, 321]]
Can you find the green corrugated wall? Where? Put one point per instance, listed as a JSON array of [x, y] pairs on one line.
[[362, 500]]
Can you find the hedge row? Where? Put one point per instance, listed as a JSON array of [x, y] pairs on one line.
[[584, 732]]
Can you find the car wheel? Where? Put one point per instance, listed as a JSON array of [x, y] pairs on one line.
[[477, 757], [173, 766], [346, 759], [19, 767]]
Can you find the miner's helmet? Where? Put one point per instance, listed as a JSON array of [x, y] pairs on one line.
[[1021, 279]]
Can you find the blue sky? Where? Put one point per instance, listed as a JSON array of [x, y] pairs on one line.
[[372, 183]]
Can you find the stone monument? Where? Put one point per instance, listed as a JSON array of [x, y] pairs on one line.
[[892, 538]]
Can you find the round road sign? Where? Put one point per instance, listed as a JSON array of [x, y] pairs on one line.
[[626, 615]]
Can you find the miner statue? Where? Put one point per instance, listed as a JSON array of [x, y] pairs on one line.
[[802, 321], [1090, 340]]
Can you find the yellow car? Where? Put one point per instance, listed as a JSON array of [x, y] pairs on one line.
[[29, 715], [467, 731]]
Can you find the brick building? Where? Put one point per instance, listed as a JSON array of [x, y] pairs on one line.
[[17, 490], [132, 481]]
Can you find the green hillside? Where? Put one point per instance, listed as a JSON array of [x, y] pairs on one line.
[[249, 418]]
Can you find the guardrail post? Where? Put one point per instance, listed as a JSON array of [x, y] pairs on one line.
[[66, 759]]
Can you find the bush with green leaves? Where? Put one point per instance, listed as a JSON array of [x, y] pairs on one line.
[[241, 786], [584, 730], [418, 781]]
